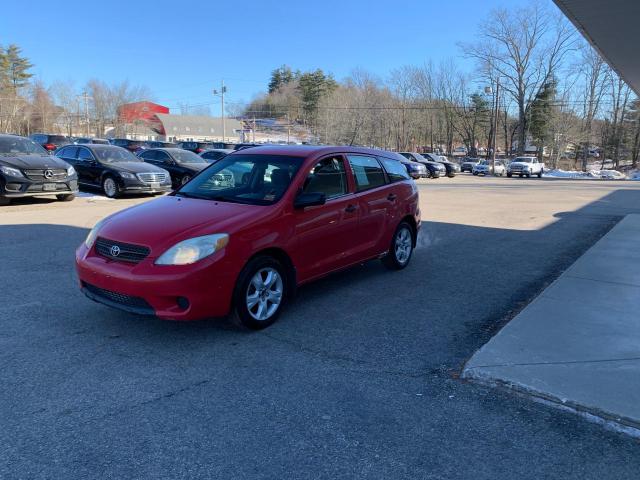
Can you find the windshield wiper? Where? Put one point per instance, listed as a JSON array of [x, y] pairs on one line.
[[191, 195]]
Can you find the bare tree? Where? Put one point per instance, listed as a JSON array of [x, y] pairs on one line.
[[524, 47]]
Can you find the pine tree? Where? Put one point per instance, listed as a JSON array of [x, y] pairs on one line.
[[541, 115], [14, 68]]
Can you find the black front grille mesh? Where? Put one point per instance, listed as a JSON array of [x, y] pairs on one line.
[[119, 298], [122, 252]]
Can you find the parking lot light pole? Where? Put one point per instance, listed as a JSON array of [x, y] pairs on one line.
[[221, 93], [495, 127]]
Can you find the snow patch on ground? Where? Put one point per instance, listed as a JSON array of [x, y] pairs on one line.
[[591, 174], [92, 197]]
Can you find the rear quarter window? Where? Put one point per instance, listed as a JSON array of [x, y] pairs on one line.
[[395, 170]]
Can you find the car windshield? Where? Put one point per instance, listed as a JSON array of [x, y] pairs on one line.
[[111, 154], [186, 156], [248, 179], [523, 160], [20, 146]]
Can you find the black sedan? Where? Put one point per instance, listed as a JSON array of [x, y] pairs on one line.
[[181, 164], [27, 170], [115, 170]]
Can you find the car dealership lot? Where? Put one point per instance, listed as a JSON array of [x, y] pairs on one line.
[[358, 378]]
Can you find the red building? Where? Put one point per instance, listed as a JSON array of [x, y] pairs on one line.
[[140, 111]]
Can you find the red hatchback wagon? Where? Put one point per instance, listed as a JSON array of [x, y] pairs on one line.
[[246, 231]]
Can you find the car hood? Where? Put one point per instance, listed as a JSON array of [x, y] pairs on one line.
[[35, 162], [148, 224], [135, 167]]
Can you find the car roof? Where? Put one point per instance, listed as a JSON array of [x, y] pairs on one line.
[[312, 150]]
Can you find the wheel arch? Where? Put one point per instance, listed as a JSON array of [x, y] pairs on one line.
[[282, 256], [410, 219]]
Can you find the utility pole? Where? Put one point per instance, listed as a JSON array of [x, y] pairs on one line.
[[85, 96], [495, 126], [254, 129], [221, 93]]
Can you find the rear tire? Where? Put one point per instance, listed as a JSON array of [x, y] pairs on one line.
[[401, 248], [540, 173], [66, 198], [261, 292]]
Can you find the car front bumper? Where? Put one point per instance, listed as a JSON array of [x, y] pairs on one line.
[[148, 289], [18, 187]]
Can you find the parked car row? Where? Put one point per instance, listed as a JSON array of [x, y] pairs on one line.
[[521, 166], [436, 165]]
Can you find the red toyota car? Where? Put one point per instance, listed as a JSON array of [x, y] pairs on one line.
[[245, 232]]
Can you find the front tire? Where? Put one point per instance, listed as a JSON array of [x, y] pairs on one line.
[[260, 293], [4, 201], [508, 174], [401, 248], [540, 173], [110, 187], [66, 198]]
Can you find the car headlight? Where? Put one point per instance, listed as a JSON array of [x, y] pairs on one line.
[[93, 234], [193, 250], [71, 171], [128, 175], [13, 172]]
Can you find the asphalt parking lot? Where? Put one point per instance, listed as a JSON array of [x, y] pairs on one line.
[[358, 379]]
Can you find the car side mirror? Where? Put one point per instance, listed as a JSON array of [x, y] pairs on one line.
[[311, 199]]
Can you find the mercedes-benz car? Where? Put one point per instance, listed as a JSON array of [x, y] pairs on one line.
[[115, 170], [181, 164], [28, 170]]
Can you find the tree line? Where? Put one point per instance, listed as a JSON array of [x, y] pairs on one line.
[[27, 105], [543, 83]]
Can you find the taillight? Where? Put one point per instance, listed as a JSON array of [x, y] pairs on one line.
[[199, 150], [49, 146]]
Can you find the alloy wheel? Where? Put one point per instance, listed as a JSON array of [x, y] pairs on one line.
[[264, 294], [110, 187], [403, 245]]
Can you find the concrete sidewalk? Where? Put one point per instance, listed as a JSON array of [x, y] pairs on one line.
[[578, 343]]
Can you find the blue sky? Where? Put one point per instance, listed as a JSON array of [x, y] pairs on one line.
[[181, 50]]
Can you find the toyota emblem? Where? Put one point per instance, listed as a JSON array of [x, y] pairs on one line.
[[115, 250], [48, 174]]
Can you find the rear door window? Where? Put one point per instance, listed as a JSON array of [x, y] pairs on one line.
[[328, 176], [367, 172], [84, 155]]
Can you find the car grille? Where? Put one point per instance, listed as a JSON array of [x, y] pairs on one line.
[[54, 174], [516, 167], [152, 177], [119, 298], [126, 251]]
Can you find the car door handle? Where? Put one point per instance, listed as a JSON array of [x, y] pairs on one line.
[[391, 197], [350, 208]]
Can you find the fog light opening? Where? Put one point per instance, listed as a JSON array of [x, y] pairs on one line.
[[183, 303]]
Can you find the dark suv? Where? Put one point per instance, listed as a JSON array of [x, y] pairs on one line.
[[50, 142], [181, 164], [114, 169], [27, 170]]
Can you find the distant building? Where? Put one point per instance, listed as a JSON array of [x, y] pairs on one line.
[[140, 111], [194, 127]]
